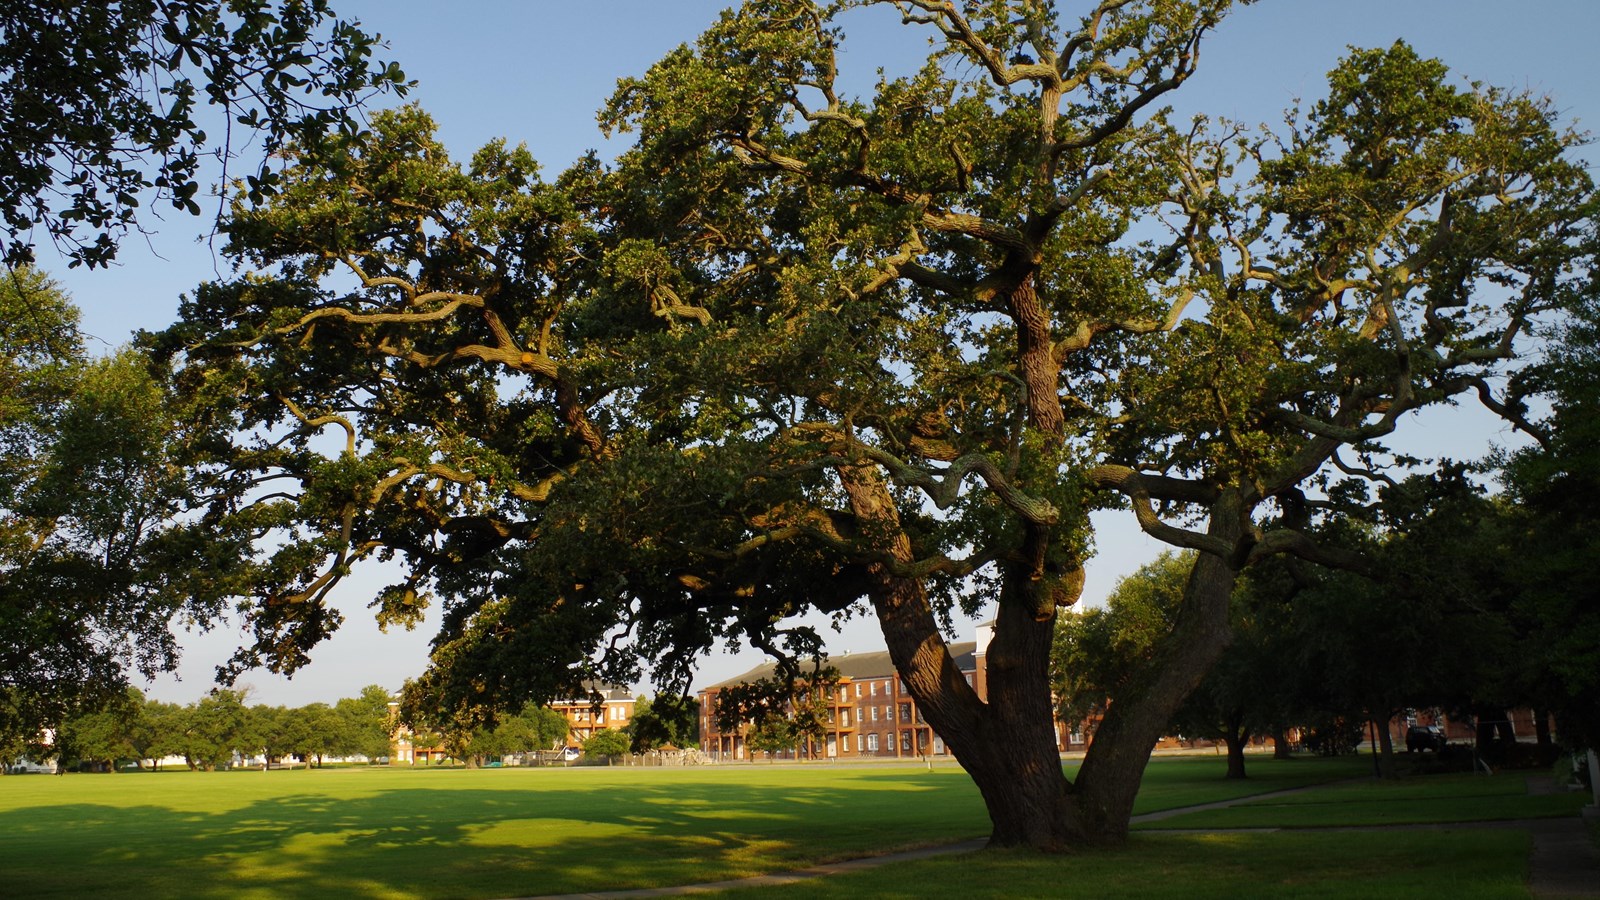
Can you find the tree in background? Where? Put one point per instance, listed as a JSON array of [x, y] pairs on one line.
[[1556, 487], [1101, 653], [607, 743], [799, 351], [103, 106], [215, 729], [94, 566], [320, 733], [163, 731], [668, 720], [103, 737], [368, 725], [535, 728]]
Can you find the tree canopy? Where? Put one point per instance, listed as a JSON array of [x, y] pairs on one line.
[[95, 564], [104, 106], [797, 350]]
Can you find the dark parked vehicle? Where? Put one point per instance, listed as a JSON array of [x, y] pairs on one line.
[[1425, 737]]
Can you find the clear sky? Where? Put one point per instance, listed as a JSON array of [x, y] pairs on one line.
[[535, 71]]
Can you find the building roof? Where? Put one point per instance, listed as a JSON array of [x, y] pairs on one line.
[[856, 666], [609, 693]]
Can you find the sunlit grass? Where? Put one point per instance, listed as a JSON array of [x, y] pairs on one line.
[[506, 832], [514, 832]]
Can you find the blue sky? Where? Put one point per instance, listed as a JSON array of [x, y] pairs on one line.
[[536, 71]]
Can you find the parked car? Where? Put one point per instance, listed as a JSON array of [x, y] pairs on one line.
[[1425, 737], [571, 754]]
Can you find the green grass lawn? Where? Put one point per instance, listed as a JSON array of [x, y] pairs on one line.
[[1431, 799], [515, 832], [486, 833], [1460, 865]]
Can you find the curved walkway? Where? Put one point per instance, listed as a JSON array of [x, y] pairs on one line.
[[1565, 861]]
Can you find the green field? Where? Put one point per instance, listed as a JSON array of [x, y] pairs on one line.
[[518, 832], [1459, 865], [1433, 799]]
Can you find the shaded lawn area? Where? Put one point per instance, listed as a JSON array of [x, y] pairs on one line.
[[1460, 865], [503, 832], [1420, 800], [1171, 782]]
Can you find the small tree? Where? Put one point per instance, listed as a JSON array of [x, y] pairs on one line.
[[367, 727], [215, 728], [608, 743], [669, 719], [103, 736]]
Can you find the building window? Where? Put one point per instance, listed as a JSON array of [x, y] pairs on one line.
[[874, 689], [844, 718], [872, 743], [905, 712], [874, 713], [968, 676], [905, 742], [844, 743], [858, 690]]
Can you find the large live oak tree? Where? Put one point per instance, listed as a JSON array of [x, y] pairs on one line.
[[801, 351]]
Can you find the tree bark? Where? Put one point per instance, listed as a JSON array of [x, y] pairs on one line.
[[1280, 744], [1384, 750], [1007, 745], [1035, 359], [1237, 737], [1114, 766]]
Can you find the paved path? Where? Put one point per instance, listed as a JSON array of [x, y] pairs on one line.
[[1565, 862]]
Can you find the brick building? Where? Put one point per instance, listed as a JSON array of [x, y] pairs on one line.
[[869, 712], [584, 718]]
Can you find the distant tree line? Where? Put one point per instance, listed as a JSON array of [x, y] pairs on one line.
[[217, 731]]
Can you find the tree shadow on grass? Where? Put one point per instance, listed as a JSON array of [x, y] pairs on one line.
[[474, 835]]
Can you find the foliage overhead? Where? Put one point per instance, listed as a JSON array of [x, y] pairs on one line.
[[105, 106]]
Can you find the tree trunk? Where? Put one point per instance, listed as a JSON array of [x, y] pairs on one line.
[[1007, 744], [1541, 728], [1280, 744], [1115, 763], [1236, 736], [1385, 748]]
